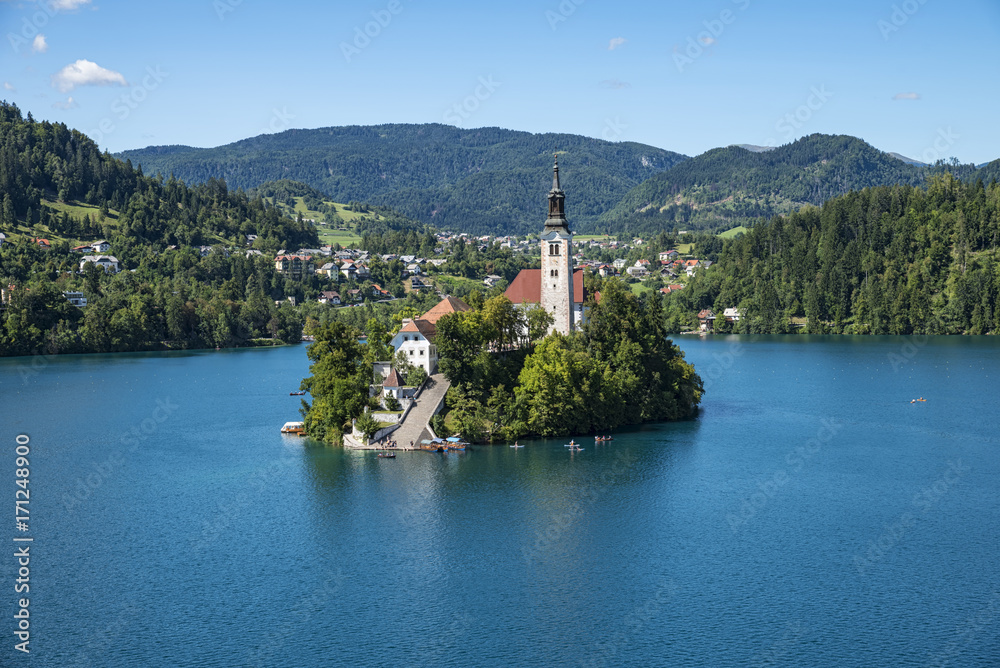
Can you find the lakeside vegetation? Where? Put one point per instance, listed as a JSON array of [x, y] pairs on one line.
[[887, 260], [164, 298], [621, 369]]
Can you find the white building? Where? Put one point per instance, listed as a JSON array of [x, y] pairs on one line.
[[415, 341], [76, 299], [416, 337], [106, 262]]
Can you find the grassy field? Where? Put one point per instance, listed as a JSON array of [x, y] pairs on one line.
[[447, 283], [74, 210], [329, 234], [592, 237], [685, 249], [342, 237], [638, 289], [733, 233]]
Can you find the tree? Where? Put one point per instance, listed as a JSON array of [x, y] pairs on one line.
[[367, 425], [338, 384]]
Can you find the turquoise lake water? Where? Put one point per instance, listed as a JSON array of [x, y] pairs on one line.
[[811, 516]]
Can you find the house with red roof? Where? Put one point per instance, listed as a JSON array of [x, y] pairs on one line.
[[415, 339]]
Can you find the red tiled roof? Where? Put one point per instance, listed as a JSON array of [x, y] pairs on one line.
[[392, 380], [422, 326], [527, 287], [444, 307]]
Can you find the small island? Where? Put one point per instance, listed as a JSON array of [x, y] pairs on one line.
[[543, 359]]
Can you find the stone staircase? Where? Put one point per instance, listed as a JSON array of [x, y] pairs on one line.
[[414, 427]]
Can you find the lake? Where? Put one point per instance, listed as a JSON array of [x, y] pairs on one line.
[[812, 515]]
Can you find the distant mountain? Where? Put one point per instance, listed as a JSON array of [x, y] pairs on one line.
[[756, 149], [485, 180], [909, 161], [726, 187]]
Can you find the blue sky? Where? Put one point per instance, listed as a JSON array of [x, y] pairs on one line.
[[917, 77]]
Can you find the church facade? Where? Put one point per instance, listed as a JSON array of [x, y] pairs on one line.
[[556, 287]]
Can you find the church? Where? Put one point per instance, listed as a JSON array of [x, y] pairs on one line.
[[556, 286]]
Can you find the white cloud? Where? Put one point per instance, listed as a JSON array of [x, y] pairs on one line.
[[85, 73], [615, 84], [69, 5], [707, 40], [7, 86], [616, 42], [39, 45], [906, 96], [70, 103]]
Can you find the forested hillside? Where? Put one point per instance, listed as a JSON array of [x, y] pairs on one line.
[[486, 180], [885, 260], [56, 185], [732, 186]]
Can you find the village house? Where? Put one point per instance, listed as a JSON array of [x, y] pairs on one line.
[[329, 297], [330, 270], [354, 295], [731, 315], [415, 339], [42, 243], [106, 262], [76, 299], [3, 238], [295, 266], [707, 320], [492, 280]]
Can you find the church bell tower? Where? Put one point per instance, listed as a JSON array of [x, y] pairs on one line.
[[557, 260]]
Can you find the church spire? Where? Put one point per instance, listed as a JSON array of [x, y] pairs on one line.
[[557, 201]]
